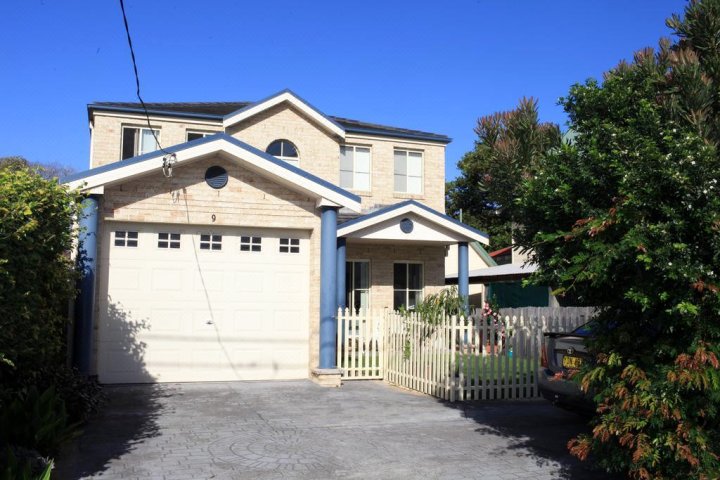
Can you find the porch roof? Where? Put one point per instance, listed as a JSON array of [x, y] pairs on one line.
[[410, 221]]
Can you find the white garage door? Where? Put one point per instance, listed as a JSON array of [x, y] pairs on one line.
[[182, 304]]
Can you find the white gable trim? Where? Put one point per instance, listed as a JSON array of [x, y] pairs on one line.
[[246, 156], [285, 96], [362, 227]]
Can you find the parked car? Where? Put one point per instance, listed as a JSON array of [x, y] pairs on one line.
[[562, 354]]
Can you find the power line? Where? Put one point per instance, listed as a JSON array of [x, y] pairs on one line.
[[137, 81]]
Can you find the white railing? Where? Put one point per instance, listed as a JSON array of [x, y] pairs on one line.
[[452, 358], [360, 346]]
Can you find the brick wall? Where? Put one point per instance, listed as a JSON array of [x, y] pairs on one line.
[[319, 150], [383, 256]]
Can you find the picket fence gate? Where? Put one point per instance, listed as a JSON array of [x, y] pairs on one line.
[[452, 358]]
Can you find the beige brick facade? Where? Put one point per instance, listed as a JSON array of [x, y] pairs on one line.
[[383, 256], [319, 150], [106, 135]]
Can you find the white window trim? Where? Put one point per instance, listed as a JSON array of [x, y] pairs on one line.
[[290, 245], [204, 133], [422, 170], [355, 171], [295, 161], [138, 142], [351, 303], [169, 240], [211, 242], [422, 290], [251, 244]]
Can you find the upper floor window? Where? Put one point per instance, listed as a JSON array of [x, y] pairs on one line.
[[408, 171], [137, 141], [284, 150], [355, 167], [194, 135]]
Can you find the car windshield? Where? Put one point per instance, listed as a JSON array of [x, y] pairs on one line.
[[584, 330]]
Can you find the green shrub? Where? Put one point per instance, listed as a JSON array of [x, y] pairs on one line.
[[22, 464], [36, 421], [37, 275], [627, 218]]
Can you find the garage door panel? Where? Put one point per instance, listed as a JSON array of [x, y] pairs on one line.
[[245, 321], [196, 315]]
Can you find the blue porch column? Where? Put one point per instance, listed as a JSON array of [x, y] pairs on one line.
[[341, 273], [463, 272], [85, 302], [328, 287]]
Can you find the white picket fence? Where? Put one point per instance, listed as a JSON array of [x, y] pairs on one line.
[[361, 345], [454, 358]]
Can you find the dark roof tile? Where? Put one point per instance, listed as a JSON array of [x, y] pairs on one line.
[[220, 109]]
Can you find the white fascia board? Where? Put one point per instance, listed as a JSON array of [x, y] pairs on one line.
[[433, 219], [242, 156], [252, 110]]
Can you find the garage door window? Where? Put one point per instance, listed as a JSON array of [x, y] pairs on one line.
[[289, 245], [126, 239], [250, 244], [168, 240], [210, 242]]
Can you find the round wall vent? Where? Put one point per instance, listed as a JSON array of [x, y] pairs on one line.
[[406, 225], [216, 177]]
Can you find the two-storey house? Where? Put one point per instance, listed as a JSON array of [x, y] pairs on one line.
[[226, 254]]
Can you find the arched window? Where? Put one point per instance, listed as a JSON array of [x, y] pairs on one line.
[[284, 150]]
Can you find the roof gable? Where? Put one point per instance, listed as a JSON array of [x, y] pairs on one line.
[[374, 222], [286, 96], [218, 144]]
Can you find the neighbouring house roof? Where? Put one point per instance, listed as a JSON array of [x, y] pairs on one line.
[[499, 273], [220, 143], [222, 111], [502, 251], [374, 220], [487, 258]]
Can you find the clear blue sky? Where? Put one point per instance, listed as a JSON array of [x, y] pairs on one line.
[[429, 65]]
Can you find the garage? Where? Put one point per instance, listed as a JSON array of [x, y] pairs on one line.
[[200, 303]]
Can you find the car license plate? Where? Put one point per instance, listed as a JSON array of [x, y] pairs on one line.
[[571, 362]]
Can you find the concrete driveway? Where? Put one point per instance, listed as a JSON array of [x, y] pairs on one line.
[[273, 430]]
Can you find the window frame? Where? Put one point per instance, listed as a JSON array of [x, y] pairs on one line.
[[170, 242], [138, 142], [292, 246], [211, 242], [197, 132], [128, 239], [355, 171], [407, 152], [251, 244], [407, 288], [290, 160], [350, 288]]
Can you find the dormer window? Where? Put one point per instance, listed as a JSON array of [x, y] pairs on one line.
[[284, 150], [138, 141]]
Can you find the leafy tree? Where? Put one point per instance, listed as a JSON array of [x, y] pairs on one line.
[[628, 218], [36, 273], [508, 147]]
